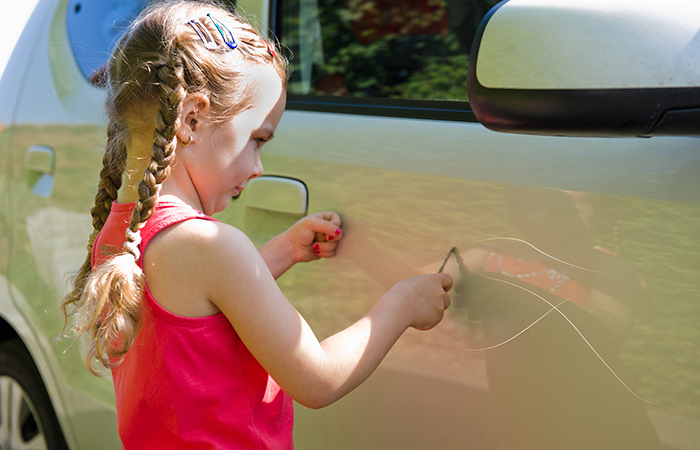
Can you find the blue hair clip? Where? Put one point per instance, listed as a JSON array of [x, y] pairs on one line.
[[204, 34], [227, 36]]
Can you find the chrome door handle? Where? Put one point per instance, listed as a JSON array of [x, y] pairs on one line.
[[40, 164], [279, 194]]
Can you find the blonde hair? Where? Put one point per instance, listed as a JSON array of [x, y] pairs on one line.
[[159, 60]]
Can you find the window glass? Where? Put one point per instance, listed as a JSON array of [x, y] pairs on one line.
[[94, 27], [416, 49]]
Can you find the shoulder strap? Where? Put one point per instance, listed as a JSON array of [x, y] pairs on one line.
[[166, 215]]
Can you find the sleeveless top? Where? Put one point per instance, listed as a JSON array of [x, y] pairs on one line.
[[189, 382]]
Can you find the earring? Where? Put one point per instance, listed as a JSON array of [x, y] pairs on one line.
[[188, 142]]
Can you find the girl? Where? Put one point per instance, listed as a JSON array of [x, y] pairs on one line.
[[205, 350]]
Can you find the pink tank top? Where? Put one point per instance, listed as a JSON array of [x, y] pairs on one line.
[[190, 383]]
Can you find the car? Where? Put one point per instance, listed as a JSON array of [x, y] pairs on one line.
[[576, 257]]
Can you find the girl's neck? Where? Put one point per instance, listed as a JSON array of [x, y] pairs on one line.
[[138, 151], [168, 192], [129, 191], [171, 189], [178, 184]]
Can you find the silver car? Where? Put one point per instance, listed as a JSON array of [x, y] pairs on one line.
[[576, 259]]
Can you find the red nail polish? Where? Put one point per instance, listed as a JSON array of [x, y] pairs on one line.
[[317, 251], [338, 231], [330, 238], [317, 247]]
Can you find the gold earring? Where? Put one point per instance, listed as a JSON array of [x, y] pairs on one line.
[[188, 142]]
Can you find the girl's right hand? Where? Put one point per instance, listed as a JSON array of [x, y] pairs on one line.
[[421, 300]]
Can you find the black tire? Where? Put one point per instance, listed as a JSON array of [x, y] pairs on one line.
[[27, 419]]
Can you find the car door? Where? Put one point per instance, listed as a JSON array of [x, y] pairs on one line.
[[573, 323], [53, 158]]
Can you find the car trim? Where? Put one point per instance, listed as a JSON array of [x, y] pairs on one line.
[[404, 108]]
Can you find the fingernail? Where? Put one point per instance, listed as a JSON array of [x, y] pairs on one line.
[[317, 251], [317, 247], [338, 231], [330, 238]]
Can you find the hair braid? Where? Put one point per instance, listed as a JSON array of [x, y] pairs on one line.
[[112, 317], [171, 94], [113, 163], [110, 176]]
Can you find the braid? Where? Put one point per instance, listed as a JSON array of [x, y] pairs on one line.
[[171, 94], [113, 163], [110, 176]]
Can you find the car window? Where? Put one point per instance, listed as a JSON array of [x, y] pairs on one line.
[[409, 49], [94, 27]]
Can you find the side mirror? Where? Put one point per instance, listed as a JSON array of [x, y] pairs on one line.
[[588, 68]]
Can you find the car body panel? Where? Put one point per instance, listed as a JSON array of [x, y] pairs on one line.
[[406, 206], [48, 235]]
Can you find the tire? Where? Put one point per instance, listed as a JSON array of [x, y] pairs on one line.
[[27, 419]]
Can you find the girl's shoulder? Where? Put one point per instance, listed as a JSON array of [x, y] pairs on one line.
[[186, 260], [201, 235], [178, 227]]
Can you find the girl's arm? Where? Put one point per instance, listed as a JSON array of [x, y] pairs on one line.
[[313, 237], [220, 264]]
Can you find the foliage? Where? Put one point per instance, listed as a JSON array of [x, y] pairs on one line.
[[372, 48]]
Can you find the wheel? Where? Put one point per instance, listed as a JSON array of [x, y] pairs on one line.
[[27, 419]]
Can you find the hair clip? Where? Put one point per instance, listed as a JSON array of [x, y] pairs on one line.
[[269, 49], [228, 36], [201, 30]]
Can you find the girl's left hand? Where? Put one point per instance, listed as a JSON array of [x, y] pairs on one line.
[[315, 236]]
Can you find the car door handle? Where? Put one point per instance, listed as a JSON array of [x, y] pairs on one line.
[[279, 194], [40, 165]]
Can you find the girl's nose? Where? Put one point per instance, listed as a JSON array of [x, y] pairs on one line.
[[258, 169]]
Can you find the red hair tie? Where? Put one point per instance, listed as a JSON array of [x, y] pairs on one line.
[[269, 49]]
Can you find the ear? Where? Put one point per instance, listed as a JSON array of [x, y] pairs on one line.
[[194, 110]]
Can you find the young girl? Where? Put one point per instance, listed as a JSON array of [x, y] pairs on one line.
[[205, 351]]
